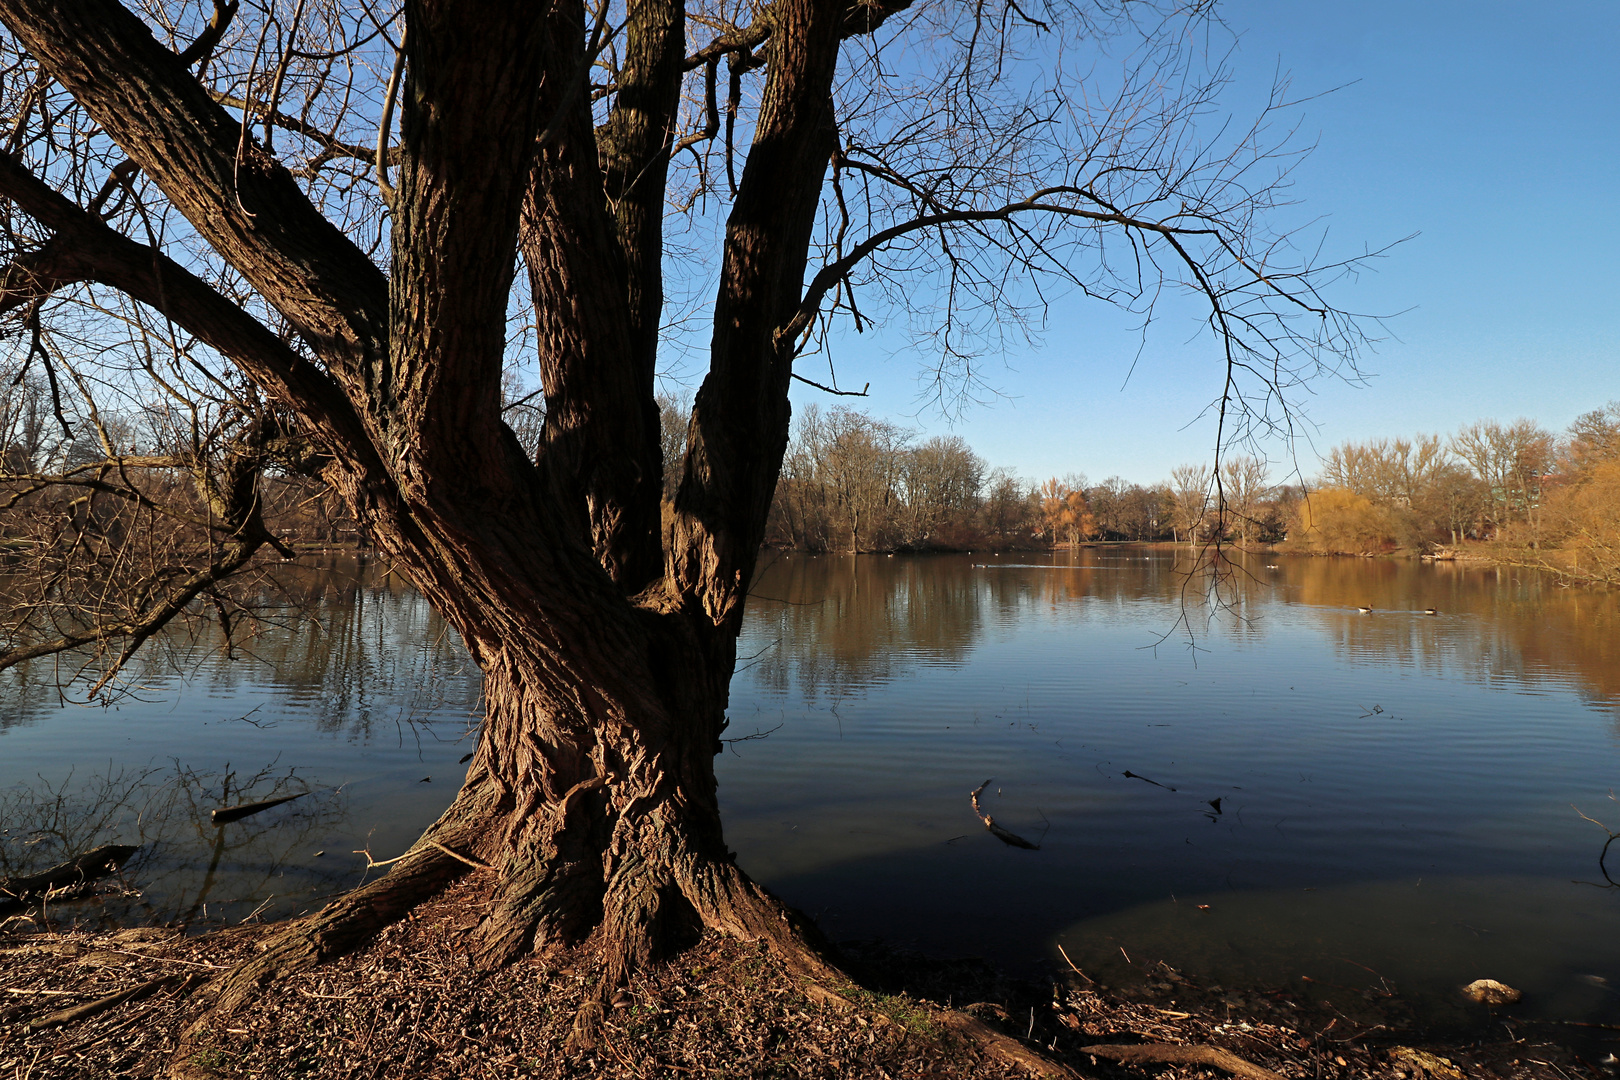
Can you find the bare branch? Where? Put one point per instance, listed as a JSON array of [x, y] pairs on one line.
[[862, 392]]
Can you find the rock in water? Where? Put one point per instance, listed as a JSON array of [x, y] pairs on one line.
[[1491, 992]]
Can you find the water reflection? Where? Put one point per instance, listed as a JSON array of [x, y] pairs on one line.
[[343, 684], [1354, 755], [184, 862], [829, 626], [1490, 623]]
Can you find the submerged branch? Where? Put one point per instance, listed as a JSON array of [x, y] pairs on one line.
[[1009, 838]]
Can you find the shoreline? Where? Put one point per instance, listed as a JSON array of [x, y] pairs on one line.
[[412, 1004]]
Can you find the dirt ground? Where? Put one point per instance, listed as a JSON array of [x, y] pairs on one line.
[[412, 1005]]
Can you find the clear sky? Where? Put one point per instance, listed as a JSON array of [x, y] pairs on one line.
[[1491, 129]]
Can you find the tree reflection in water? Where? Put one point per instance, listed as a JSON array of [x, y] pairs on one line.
[[829, 626], [342, 682], [1030, 667], [187, 869], [1374, 772]]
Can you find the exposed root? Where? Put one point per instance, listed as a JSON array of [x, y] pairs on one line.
[[587, 1026], [73, 1015], [542, 908], [345, 924], [730, 901], [1177, 1054], [754, 914], [652, 911], [1003, 1047], [647, 910]]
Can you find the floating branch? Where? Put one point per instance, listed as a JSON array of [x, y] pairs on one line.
[[1009, 838], [1603, 856], [1138, 776], [228, 814]]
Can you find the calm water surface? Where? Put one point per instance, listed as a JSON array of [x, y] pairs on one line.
[[1399, 793]]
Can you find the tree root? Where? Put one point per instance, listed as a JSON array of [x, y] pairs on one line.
[[73, 1015], [977, 1033], [1176, 1054], [729, 900], [649, 910], [344, 925]]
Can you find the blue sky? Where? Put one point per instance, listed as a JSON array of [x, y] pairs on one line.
[[1489, 129]]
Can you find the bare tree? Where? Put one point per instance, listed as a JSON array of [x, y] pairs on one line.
[[1191, 499], [941, 481], [1594, 437], [1510, 460], [233, 200], [1006, 506], [1107, 502], [674, 417], [1242, 485], [1402, 475], [801, 513], [861, 461], [1143, 511], [1390, 471]]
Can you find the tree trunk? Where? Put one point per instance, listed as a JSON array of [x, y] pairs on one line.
[[595, 799], [591, 797]]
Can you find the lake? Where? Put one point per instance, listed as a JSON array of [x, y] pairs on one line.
[[1276, 789]]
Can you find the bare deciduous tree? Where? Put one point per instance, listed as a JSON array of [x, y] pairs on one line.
[[1007, 513], [1241, 482], [1594, 437], [941, 481], [1510, 460], [228, 194], [1191, 499]]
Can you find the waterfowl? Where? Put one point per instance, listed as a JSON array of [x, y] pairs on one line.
[[1430, 611], [1365, 610]]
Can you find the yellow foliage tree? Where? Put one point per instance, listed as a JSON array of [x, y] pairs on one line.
[[1334, 519], [1583, 520], [1065, 513]]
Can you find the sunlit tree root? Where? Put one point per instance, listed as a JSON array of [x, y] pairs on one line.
[[1177, 1054]]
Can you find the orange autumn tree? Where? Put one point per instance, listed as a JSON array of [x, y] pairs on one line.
[[1065, 513]]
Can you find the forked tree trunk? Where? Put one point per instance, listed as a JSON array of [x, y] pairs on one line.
[[607, 636]]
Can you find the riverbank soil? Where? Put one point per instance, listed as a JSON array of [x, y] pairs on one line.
[[413, 1005]]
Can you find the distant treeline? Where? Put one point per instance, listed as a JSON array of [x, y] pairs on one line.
[[853, 482], [1537, 496]]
